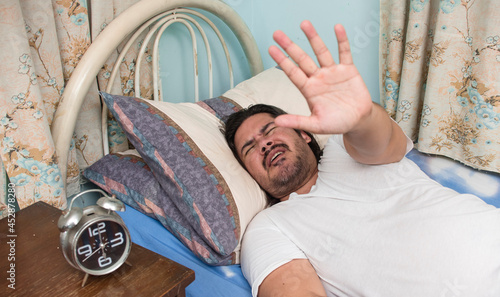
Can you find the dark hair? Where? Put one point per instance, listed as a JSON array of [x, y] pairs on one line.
[[234, 121]]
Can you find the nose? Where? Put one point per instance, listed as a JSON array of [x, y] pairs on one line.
[[265, 144]]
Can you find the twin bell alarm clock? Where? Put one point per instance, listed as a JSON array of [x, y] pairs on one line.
[[94, 239]]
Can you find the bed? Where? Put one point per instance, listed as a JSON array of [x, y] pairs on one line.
[[188, 199]]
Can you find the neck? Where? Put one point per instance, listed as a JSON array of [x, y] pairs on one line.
[[306, 187]]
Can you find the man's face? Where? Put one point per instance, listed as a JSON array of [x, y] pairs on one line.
[[278, 158]]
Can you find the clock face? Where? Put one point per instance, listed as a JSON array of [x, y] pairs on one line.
[[101, 246]]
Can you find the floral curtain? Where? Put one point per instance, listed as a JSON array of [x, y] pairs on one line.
[[440, 72], [43, 41]]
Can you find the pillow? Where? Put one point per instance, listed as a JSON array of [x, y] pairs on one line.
[[182, 145], [130, 179], [189, 158]]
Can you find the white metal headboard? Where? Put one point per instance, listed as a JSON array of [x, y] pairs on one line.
[[131, 21], [156, 26]]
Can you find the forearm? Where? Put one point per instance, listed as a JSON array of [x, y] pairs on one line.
[[376, 139]]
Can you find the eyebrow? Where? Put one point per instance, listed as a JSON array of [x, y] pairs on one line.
[[261, 131]]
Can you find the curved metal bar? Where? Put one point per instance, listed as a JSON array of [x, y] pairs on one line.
[[153, 31], [221, 40], [195, 57], [180, 18], [114, 72], [161, 20]]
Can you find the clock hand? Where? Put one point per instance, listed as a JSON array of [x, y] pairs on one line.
[[91, 254], [103, 250], [100, 238], [101, 247]]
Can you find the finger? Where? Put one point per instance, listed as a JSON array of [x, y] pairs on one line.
[[322, 53], [296, 53], [296, 75], [345, 56], [305, 123]]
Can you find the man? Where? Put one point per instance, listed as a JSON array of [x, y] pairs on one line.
[[365, 221]]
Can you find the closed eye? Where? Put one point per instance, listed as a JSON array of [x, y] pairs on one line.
[[269, 131], [266, 133], [249, 149], [251, 143]]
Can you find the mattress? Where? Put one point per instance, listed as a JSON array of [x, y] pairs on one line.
[[461, 178]]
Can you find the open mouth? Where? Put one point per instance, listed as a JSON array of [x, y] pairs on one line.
[[274, 155]]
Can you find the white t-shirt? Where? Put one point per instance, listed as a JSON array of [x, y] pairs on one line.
[[386, 230]]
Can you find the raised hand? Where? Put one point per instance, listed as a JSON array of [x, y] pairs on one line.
[[336, 94]]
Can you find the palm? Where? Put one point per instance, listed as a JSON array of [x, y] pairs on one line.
[[335, 93]]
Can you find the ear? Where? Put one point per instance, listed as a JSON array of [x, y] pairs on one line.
[[306, 137]]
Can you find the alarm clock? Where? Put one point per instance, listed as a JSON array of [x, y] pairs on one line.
[[94, 239]]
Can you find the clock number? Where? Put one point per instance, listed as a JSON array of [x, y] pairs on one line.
[[117, 240], [103, 262], [85, 250], [99, 229]]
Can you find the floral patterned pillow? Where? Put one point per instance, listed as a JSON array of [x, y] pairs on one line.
[[130, 179]]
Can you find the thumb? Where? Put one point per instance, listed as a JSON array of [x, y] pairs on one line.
[[296, 122]]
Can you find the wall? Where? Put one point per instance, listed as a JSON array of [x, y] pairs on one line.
[[263, 17]]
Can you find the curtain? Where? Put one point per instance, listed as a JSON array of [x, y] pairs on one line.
[[42, 43], [440, 76]]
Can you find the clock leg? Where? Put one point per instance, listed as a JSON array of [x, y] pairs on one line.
[[85, 279]]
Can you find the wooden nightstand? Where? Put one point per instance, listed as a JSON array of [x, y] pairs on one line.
[[41, 270]]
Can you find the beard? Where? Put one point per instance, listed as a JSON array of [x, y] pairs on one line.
[[292, 173]]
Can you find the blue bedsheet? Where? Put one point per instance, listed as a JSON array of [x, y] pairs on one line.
[[461, 178], [220, 281]]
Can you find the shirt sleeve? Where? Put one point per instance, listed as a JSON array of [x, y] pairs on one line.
[[339, 139], [264, 249]]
